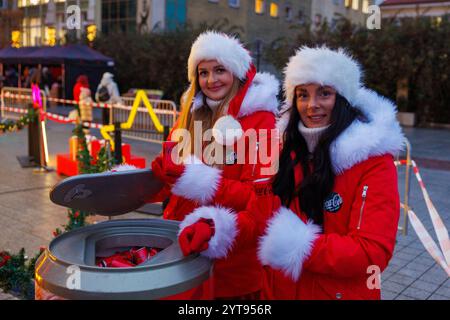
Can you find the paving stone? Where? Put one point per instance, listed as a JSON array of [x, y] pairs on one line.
[[392, 286], [443, 291], [447, 283], [438, 297], [7, 296], [405, 256], [403, 297], [423, 285], [416, 265], [416, 293], [438, 278], [412, 250], [396, 261], [402, 279], [407, 271], [388, 295]]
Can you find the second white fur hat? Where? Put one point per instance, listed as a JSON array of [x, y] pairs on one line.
[[324, 66]]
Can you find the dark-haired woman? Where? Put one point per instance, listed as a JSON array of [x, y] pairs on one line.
[[334, 230]]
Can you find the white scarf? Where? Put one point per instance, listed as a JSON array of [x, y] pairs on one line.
[[311, 135]]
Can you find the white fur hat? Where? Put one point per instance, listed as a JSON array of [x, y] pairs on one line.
[[322, 65], [212, 45]]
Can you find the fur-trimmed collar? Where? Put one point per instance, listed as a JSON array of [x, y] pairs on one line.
[[261, 96], [382, 133]]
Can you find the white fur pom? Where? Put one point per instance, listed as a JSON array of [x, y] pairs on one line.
[[199, 182], [287, 242], [227, 130], [123, 167], [225, 225]]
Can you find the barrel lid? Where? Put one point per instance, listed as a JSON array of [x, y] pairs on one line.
[[107, 193]]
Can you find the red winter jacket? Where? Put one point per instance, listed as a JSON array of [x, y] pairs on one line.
[[225, 195], [82, 82], [345, 259]]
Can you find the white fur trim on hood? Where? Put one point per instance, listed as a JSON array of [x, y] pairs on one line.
[[287, 243], [199, 182], [324, 66], [225, 224], [261, 96], [380, 135], [227, 50]]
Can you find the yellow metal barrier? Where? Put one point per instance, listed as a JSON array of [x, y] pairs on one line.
[[144, 126]]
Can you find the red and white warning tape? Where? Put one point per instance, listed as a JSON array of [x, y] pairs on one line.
[[18, 110], [62, 119], [16, 96], [94, 104], [55, 117], [64, 101], [441, 256]]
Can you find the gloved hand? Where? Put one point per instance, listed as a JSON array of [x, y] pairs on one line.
[[195, 238], [164, 168], [158, 171]]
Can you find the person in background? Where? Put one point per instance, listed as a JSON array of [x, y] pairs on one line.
[[107, 92], [85, 108], [2, 82], [82, 82], [11, 78], [46, 82]]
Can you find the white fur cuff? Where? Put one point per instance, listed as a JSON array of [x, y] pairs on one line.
[[287, 242], [225, 224], [199, 182]]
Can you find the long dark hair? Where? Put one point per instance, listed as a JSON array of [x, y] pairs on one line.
[[318, 180]]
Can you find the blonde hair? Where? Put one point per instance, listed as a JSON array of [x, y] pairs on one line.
[[204, 114]]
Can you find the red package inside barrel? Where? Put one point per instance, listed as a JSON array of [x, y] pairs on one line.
[[128, 258]]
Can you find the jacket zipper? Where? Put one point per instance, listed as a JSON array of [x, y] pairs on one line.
[[364, 195], [254, 165]]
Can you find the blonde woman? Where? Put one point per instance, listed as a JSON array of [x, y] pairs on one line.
[[211, 189]]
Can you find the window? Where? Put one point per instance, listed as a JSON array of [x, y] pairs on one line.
[[119, 15], [365, 6], [234, 3], [288, 13], [317, 19], [259, 6], [348, 3], [355, 4], [301, 17], [274, 10]]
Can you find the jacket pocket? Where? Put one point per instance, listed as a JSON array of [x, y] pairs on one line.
[[363, 203]]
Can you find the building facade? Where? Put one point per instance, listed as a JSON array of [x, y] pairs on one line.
[[48, 22], [10, 20], [414, 8], [331, 10]]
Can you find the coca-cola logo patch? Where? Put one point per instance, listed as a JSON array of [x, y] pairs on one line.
[[333, 203]]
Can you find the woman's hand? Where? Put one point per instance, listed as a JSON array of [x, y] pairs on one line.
[[195, 238], [167, 173]]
